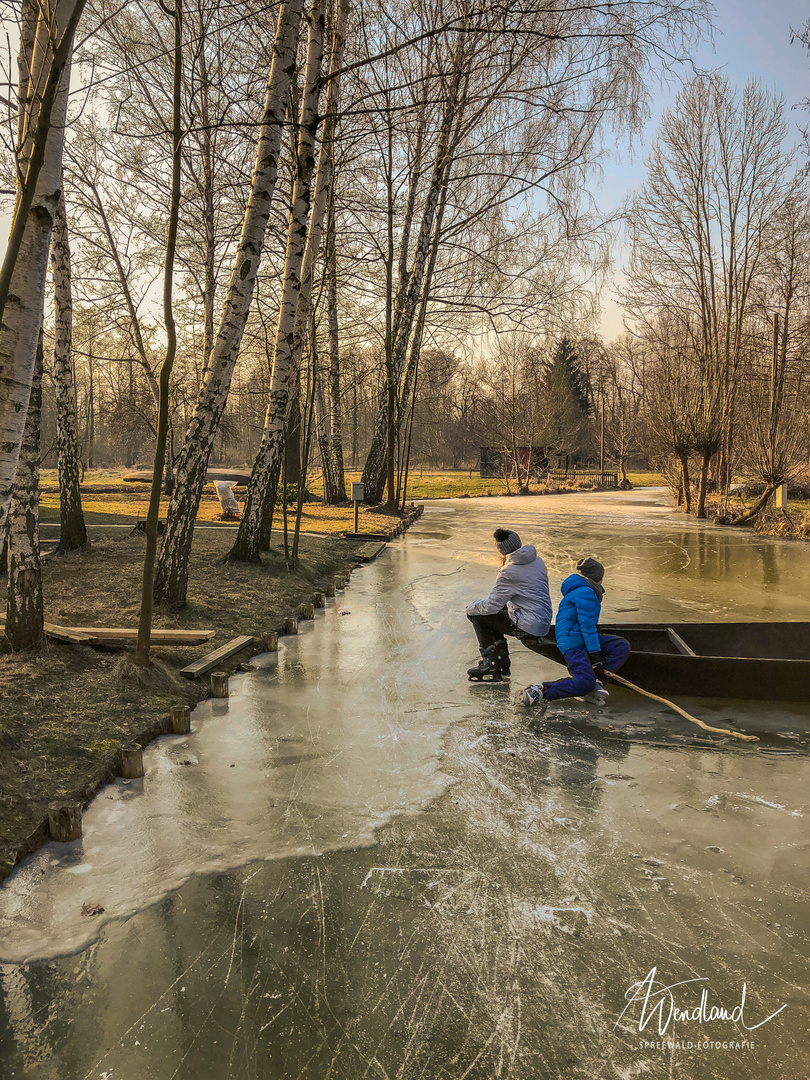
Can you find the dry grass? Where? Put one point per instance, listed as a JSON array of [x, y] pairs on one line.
[[65, 712], [795, 524]]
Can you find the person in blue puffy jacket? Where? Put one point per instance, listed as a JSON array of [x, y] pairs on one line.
[[587, 653]]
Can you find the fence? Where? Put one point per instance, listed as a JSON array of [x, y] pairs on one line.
[[590, 476]]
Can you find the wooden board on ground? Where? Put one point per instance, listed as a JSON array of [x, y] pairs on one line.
[[120, 635], [129, 634], [210, 660], [367, 552], [239, 476], [367, 536]]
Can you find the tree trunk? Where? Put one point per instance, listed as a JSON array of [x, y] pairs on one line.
[[72, 532], [747, 516], [686, 484], [24, 613], [247, 545], [142, 648], [171, 578], [336, 416], [704, 484], [43, 109], [323, 433]]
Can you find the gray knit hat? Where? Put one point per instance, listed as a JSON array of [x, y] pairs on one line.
[[507, 541], [590, 568]]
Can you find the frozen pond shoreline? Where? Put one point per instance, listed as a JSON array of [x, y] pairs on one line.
[[530, 871]]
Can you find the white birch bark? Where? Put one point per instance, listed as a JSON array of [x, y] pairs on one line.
[[248, 539], [171, 576], [72, 532], [22, 310], [24, 612]]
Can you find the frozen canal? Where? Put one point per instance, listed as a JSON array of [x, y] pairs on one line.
[[364, 866]]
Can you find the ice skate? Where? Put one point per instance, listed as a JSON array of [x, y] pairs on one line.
[[488, 669], [598, 696], [532, 696], [502, 654]]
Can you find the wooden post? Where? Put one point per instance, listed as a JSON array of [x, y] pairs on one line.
[[339, 582], [65, 821], [291, 625], [306, 611], [357, 517], [219, 684], [181, 719], [319, 600], [329, 589], [131, 761], [270, 641]]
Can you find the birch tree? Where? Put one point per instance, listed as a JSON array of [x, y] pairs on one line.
[[46, 42], [247, 545], [171, 576]]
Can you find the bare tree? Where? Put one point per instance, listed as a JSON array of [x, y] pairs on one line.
[[715, 175], [171, 576], [46, 41]]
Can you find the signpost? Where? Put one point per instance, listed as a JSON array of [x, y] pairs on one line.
[[358, 494]]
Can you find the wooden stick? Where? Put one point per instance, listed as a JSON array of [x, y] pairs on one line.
[[664, 701]]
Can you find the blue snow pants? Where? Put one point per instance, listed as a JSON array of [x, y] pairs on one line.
[[615, 651]]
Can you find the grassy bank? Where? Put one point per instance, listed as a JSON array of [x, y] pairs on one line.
[[129, 502], [65, 712]]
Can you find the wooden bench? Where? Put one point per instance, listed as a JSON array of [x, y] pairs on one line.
[[210, 660]]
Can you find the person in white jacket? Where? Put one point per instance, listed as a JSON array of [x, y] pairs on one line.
[[519, 605]]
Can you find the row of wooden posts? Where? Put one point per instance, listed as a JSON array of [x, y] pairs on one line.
[[65, 818]]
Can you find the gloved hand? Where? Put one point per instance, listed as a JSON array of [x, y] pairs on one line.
[[596, 663]]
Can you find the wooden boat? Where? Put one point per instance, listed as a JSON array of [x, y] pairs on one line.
[[765, 661]]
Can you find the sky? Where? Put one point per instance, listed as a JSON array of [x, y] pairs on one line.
[[752, 37]]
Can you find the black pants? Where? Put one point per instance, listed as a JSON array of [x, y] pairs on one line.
[[491, 628]]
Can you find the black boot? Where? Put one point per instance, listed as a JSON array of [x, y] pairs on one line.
[[502, 653], [488, 667]]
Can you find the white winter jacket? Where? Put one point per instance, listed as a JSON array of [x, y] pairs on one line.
[[522, 585]]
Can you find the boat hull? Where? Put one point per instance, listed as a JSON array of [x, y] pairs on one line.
[[771, 661]]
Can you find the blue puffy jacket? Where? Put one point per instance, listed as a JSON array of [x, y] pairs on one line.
[[577, 616]]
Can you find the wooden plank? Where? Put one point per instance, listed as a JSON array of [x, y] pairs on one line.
[[367, 552], [157, 636], [679, 643], [62, 633], [109, 635], [367, 536], [210, 660]]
